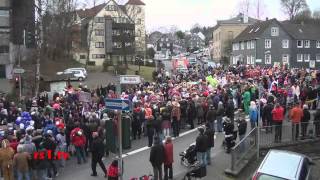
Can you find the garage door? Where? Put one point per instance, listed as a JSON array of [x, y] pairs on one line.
[[2, 71]]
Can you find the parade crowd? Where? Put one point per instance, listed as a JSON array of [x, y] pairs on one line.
[[160, 110]]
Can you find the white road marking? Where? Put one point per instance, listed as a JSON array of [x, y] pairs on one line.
[[146, 147]]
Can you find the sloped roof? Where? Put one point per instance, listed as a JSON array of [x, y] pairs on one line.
[[255, 30], [303, 31], [297, 31], [237, 20], [135, 2], [84, 13]]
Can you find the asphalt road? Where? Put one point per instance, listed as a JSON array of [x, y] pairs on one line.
[[96, 79]]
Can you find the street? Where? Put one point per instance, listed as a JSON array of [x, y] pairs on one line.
[[136, 164]]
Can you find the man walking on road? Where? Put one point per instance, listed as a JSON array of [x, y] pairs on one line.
[[296, 116], [202, 147], [157, 157], [97, 151], [168, 147]]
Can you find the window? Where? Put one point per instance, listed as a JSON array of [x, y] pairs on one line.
[[257, 29], [306, 44], [242, 45], [99, 44], [128, 44], [4, 49], [168, 44], [252, 59], [117, 45], [274, 31], [306, 57], [4, 13], [167, 39], [128, 32], [139, 21], [235, 46], [267, 43], [285, 58], [99, 19], [252, 44], [116, 32], [318, 44], [318, 57], [99, 32], [299, 57], [267, 59], [138, 9], [98, 56], [161, 44], [299, 44], [111, 8], [248, 60], [248, 44], [82, 56], [285, 43]]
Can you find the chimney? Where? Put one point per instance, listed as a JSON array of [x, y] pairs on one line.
[[267, 18]]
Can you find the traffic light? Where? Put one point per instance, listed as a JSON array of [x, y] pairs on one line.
[[29, 39], [17, 82]]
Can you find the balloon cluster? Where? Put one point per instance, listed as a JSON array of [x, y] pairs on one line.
[[25, 120]]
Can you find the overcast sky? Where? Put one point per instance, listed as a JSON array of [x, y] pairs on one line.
[[161, 14]]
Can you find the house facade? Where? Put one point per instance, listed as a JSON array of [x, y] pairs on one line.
[[223, 34], [17, 28], [274, 43], [109, 33], [195, 41]]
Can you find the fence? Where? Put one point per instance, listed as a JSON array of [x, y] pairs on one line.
[[269, 137], [242, 153]]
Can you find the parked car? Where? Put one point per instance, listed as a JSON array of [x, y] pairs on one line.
[[284, 165], [77, 74]]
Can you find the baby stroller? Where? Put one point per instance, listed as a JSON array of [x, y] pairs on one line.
[[196, 171], [189, 156]]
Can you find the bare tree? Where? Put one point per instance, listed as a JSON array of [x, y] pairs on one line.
[[292, 7], [245, 6]]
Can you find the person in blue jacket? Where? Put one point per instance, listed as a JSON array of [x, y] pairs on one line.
[[253, 114]]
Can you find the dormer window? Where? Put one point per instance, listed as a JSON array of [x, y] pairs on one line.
[[274, 31]]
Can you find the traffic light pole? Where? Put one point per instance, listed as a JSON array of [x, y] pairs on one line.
[[120, 135], [20, 88]]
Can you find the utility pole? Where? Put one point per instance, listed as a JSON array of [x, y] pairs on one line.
[[39, 46]]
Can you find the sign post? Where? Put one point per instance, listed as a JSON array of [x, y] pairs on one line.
[[120, 105]]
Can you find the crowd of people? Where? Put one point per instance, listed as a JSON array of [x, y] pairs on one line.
[[160, 110]]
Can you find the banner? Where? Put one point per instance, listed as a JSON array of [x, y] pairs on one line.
[[85, 97]]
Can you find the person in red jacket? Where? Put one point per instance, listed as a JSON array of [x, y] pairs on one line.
[[168, 149], [113, 171], [277, 118], [78, 139]]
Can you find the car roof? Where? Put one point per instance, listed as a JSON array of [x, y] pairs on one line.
[[284, 164]]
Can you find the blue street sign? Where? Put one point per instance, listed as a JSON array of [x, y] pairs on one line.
[[118, 104]]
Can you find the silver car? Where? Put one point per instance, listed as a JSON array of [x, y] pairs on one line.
[[284, 165]]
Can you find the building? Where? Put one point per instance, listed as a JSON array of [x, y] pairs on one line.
[[110, 32], [170, 45], [136, 11], [195, 41], [223, 34], [274, 43], [17, 27]]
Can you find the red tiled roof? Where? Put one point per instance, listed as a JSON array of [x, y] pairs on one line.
[[135, 2], [91, 12]]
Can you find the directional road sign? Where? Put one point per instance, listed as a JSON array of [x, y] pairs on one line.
[[118, 104], [18, 71]]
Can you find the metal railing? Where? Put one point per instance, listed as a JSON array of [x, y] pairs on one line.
[[243, 151], [270, 137], [286, 134]]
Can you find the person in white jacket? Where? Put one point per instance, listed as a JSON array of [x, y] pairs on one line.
[[295, 92]]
